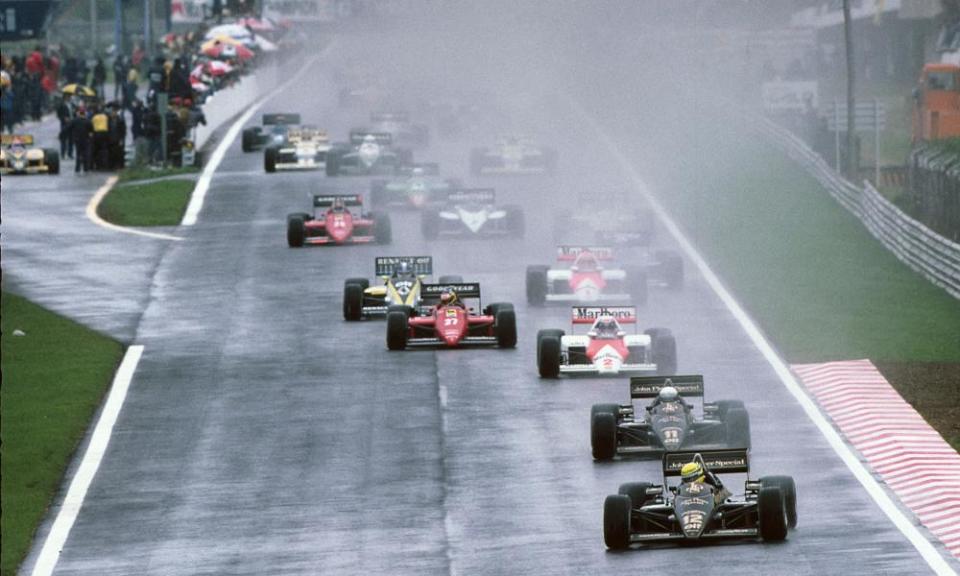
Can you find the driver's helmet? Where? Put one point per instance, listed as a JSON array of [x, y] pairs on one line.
[[586, 262], [338, 205], [417, 171], [606, 327], [668, 394], [369, 139], [448, 298], [403, 269], [692, 472]]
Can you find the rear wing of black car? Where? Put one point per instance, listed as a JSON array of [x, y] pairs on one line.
[[389, 117], [385, 265], [719, 461], [471, 196], [430, 293], [428, 168], [327, 200], [280, 119], [383, 138], [650, 386]]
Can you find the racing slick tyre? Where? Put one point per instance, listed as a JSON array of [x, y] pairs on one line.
[[397, 329], [548, 354], [332, 164], [296, 231], [382, 230], [772, 510], [789, 490], [430, 224], [603, 431], [542, 333], [516, 226], [663, 350], [724, 406], [270, 159], [477, 161], [637, 491], [637, 285], [353, 298], [671, 268], [737, 423], [616, 522], [51, 158], [378, 193], [451, 279], [505, 324], [537, 285], [248, 140]]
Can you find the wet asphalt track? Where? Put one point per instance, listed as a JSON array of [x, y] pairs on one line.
[[264, 435]]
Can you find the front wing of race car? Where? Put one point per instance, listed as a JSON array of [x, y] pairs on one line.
[[640, 368]]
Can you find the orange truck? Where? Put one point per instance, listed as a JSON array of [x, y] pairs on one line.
[[936, 109]]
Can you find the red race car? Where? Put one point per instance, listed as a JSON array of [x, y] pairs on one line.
[[332, 222], [449, 322]]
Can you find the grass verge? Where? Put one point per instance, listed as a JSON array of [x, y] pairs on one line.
[[154, 204], [134, 173], [54, 378]]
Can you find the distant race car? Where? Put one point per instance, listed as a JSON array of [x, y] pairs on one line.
[[631, 230], [513, 155], [696, 511], [451, 324], [399, 126], [19, 156], [415, 186], [669, 423], [474, 213], [399, 282], [367, 154], [332, 222], [606, 349], [272, 133], [586, 280], [305, 149]]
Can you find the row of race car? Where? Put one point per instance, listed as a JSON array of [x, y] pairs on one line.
[[666, 415]]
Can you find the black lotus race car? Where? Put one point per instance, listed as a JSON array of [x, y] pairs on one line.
[[691, 512], [272, 133], [668, 426]]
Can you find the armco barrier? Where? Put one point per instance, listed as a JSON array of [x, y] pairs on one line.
[[925, 251]]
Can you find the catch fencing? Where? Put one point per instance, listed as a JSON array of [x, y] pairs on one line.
[[925, 251]]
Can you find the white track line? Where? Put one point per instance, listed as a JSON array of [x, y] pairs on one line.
[[73, 501], [96, 219], [203, 183], [927, 550]]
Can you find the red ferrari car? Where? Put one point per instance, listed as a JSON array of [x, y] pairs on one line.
[[449, 322], [333, 222]]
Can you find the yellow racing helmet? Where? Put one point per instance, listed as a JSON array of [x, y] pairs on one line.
[[692, 472]]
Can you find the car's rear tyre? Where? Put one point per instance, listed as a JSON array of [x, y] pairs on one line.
[[332, 164], [737, 423], [378, 193], [52, 158], [603, 431], [637, 285], [548, 354], [505, 324], [637, 491], [616, 521], [772, 510], [296, 231], [382, 229], [398, 329], [663, 350], [516, 225], [430, 224], [724, 406], [542, 333], [671, 268], [353, 298], [537, 285], [788, 488], [450, 279]]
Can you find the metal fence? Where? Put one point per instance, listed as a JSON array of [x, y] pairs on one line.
[[934, 190], [930, 254]]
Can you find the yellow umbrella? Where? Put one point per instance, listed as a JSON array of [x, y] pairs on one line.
[[221, 40], [78, 89]]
